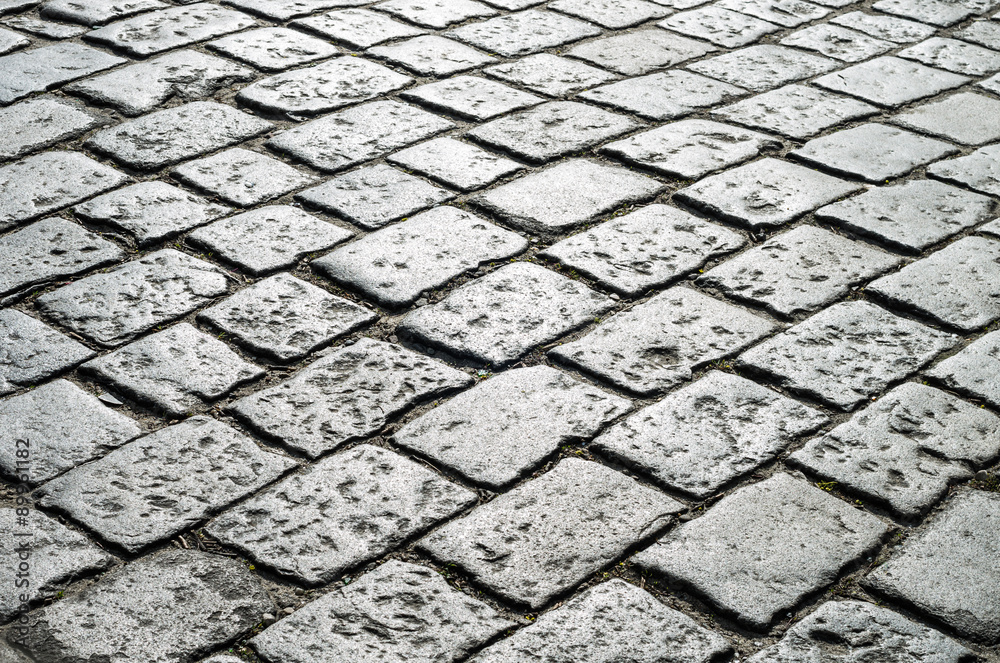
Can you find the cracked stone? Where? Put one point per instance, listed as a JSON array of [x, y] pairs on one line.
[[579, 517], [890, 81], [847, 353], [838, 42], [11, 41], [640, 52], [760, 68], [48, 67], [954, 55], [611, 14], [282, 10], [524, 32], [436, 14], [889, 28], [31, 352], [273, 49], [664, 96], [167, 29], [550, 74], [459, 165], [97, 12], [979, 171], [942, 13], [432, 55], [471, 97], [973, 371], [786, 13], [720, 26], [41, 122], [966, 118], [357, 28], [242, 177]]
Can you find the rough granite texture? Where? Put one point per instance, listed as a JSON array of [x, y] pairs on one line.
[[973, 370], [31, 352]]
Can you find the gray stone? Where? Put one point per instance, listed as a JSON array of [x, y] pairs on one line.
[[567, 194], [163, 483], [145, 86], [664, 96], [357, 28], [796, 111], [991, 228], [765, 194], [552, 130], [890, 81], [966, 118], [704, 436], [861, 632], [761, 68], [223, 658], [457, 164], [346, 510], [577, 518], [174, 370], [31, 352], [942, 13], [56, 555], [285, 318], [786, 13], [47, 67], [361, 133], [395, 265], [958, 286], [651, 247], [64, 426], [991, 84], [175, 134], [418, 617], [901, 451], [150, 211], [794, 541], [471, 97], [720, 26], [133, 612], [524, 415], [984, 33], [348, 394], [550, 74], [661, 342], [41, 122], [954, 55], [524, 32], [242, 177], [49, 181], [51, 249], [11, 41], [97, 12], [13, 6], [838, 42], [847, 353], [890, 28], [46, 29], [113, 307], [432, 55], [373, 196], [948, 571], [282, 10], [974, 370], [273, 49], [640, 52], [171, 28], [436, 14], [611, 14], [500, 317], [614, 621], [980, 171]]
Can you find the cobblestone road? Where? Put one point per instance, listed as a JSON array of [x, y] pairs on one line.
[[578, 331]]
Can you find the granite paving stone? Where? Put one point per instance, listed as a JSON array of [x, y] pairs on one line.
[[661, 342], [984, 33], [471, 97], [174, 370], [974, 370], [991, 228], [720, 26], [47, 67], [567, 195], [163, 483], [31, 352], [97, 12], [114, 306], [46, 29], [150, 211], [242, 177], [613, 621], [500, 317], [796, 111], [846, 354], [965, 118], [285, 318], [578, 518], [761, 68], [838, 42], [786, 13], [418, 616], [954, 55], [436, 14], [41, 122], [523, 32], [991, 84], [550, 74], [346, 395], [273, 49], [947, 571], [13, 6], [283, 10], [346, 510], [432, 55], [396, 265], [979, 171], [525, 415], [942, 13], [357, 28], [11, 41], [374, 196], [889, 28], [63, 425], [890, 81], [709, 433], [664, 96], [640, 52], [611, 14], [766, 193], [454, 163], [132, 612], [794, 541]]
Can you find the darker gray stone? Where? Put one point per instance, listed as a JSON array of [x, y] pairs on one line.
[[640, 52], [890, 81], [457, 164], [31, 352], [796, 111], [436, 14], [786, 13], [242, 177], [890, 28], [665, 95], [936, 12], [838, 42], [979, 171], [432, 55], [357, 28], [973, 370], [43, 121], [954, 55], [47, 67], [550, 74], [471, 97], [965, 118], [97, 12], [761, 68], [273, 49], [720, 26], [611, 14], [523, 32], [171, 28]]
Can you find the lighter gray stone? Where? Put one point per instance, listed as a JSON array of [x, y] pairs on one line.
[[524, 32], [786, 13], [942, 13], [471, 97], [46, 29], [979, 171], [665, 95], [890, 81], [640, 52], [720, 26], [242, 177], [954, 55], [13, 6], [273, 49], [282, 10], [171, 28], [611, 14], [436, 14], [358, 28], [890, 28], [966, 118], [457, 164], [761, 68], [984, 33], [97, 12], [550, 74], [991, 84], [31, 352], [41, 122], [47, 67], [974, 370], [432, 55], [837, 42], [11, 41], [796, 111]]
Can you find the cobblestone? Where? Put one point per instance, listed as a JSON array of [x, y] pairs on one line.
[[890, 81], [640, 52], [40, 69], [242, 177], [890, 28], [979, 171], [171, 28], [796, 111], [720, 26], [761, 68], [45, 29], [436, 14], [663, 96], [11, 41], [549, 74], [954, 55], [838, 42], [471, 97], [524, 32], [33, 352], [965, 118], [41, 122], [786, 13], [432, 55], [273, 49], [97, 12], [282, 10], [973, 370], [936, 12], [459, 165], [611, 14]]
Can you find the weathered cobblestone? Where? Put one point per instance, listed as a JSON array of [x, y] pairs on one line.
[[459, 165], [40, 69], [549, 74], [357, 28], [242, 177], [41, 122], [282, 10], [97, 12], [936, 12], [45, 29], [471, 97], [890, 81], [437, 14], [432, 55], [965, 118], [32, 352], [761, 68], [720, 26], [980, 171], [524, 32], [974, 369], [890, 28], [640, 52], [796, 111], [664, 96], [954, 55], [786, 13], [611, 14], [273, 49], [11, 41], [837, 42]]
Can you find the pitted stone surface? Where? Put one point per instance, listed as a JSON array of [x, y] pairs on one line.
[[550, 74], [954, 55], [890, 81], [659, 343], [862, 631], [796, 111], [765, 194], [936, 12], [901, 450], [974, 370], [357, 28], [761, 68], [500, 317], [150, 211], [418, 616], [948, 569], [273, 49], [11, 41], [471, 97], [979, 171], [282, 10], [794, 541], [432, 55], [12, 6], [665, 95], [113, 307], [653, 246], [50, 249], [348, 394], [346, 510], [132, 612], [164, 483], [436, 14], [41, 122], [611, 14], [838, 42], [566, 195], [786, 13], [991, 228], [46, 29], [64, 427], [374, 196], [890, 28], [984, 33], [395, 265], [524, 32], [459, 165], [703, 436], [97, 12], [361, 133], [846, 353], [613, 621], [171, 28], [720, 26], [47, 67], [578, 517], [640, 52], [31, 352], [965, 118], [174, 370], [242, 177], [524, 415]]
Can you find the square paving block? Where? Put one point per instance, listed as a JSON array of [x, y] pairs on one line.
[[32, 352], [890, 81], [761, 68], [974, 370], [796, 111]]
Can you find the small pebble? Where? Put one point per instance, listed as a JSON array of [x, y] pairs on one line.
[[982, 476], [421, 302], [268, 618], [109, 399], [615, 297]]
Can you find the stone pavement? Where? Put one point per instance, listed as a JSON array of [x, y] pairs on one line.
[[568, 331]]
